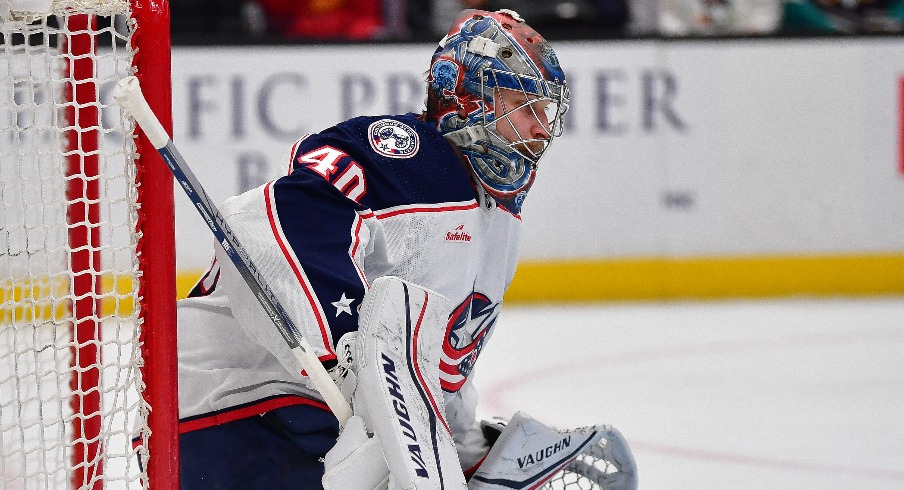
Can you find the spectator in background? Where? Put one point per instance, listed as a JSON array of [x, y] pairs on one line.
[[556, 18], [357, 20], [643, 18], [354, 20], [843, 17], [719, 17], [206, 18], [763, 17], [445, 11], [419, 20]]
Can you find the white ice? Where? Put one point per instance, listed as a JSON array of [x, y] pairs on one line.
[[799, 394], [790, 394]]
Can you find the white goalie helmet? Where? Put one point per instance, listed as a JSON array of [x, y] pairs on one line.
[[496, 91]]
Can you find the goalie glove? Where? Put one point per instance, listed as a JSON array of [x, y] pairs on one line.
[[356, 462], [527, 454], [344, 373], [609, 463]]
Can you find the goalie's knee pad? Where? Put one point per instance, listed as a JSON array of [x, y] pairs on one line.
[[397, 353], [528, 453]]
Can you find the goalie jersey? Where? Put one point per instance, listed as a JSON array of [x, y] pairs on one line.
[[372, 196]]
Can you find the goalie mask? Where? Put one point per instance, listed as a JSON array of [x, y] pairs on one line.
[[496, 91]]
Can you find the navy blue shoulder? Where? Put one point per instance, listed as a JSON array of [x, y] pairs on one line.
[[385, 161]]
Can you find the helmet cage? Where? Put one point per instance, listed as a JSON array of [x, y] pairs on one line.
[[483, 57], [537, 96]]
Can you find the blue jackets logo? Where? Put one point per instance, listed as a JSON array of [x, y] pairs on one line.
[[466, 333], [393, 139]]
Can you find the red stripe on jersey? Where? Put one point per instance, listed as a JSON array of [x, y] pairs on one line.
[[356, 240], [231, 415], [426, 209], [296, 268], [417, 369]]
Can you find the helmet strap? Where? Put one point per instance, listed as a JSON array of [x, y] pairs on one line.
[[484, 46], [467, 136]]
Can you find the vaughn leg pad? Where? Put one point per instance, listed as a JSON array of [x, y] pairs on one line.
[[397, 352]]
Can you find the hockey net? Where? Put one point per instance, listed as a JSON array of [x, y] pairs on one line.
[[73, 310], [587, 472]]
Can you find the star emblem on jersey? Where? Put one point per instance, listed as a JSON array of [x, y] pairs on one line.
[[343, 305], [393, 139]]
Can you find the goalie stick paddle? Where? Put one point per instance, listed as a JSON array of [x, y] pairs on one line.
[[128, 95]]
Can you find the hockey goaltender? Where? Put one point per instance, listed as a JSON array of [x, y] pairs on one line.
[[389, 242]]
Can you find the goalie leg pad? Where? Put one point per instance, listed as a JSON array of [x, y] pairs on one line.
[[529, 453], [397, 353]]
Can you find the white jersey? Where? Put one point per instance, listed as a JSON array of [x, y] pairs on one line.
[[368, 198]]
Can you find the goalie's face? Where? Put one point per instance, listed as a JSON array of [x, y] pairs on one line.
[[523, 119], [497, 92]]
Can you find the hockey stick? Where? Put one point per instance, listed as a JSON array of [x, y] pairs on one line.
[[128, 95]]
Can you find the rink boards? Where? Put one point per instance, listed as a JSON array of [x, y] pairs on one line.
[[688, 168]]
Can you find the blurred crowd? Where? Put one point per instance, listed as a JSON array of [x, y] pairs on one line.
[[428, 20]]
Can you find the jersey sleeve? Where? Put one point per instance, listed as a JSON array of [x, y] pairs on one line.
[[306, 235]]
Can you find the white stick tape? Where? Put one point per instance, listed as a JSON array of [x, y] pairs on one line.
[[128, 95]]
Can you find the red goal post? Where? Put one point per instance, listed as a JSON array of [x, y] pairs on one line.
[[87, 261]]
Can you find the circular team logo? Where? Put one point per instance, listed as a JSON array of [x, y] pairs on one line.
[[393, 139], [445, 75]]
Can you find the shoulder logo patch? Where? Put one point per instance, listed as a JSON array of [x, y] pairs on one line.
[[393, 139]]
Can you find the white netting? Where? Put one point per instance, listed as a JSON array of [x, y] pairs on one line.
[[99, 7], [585, 473], [46, 385], [33, 10]]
